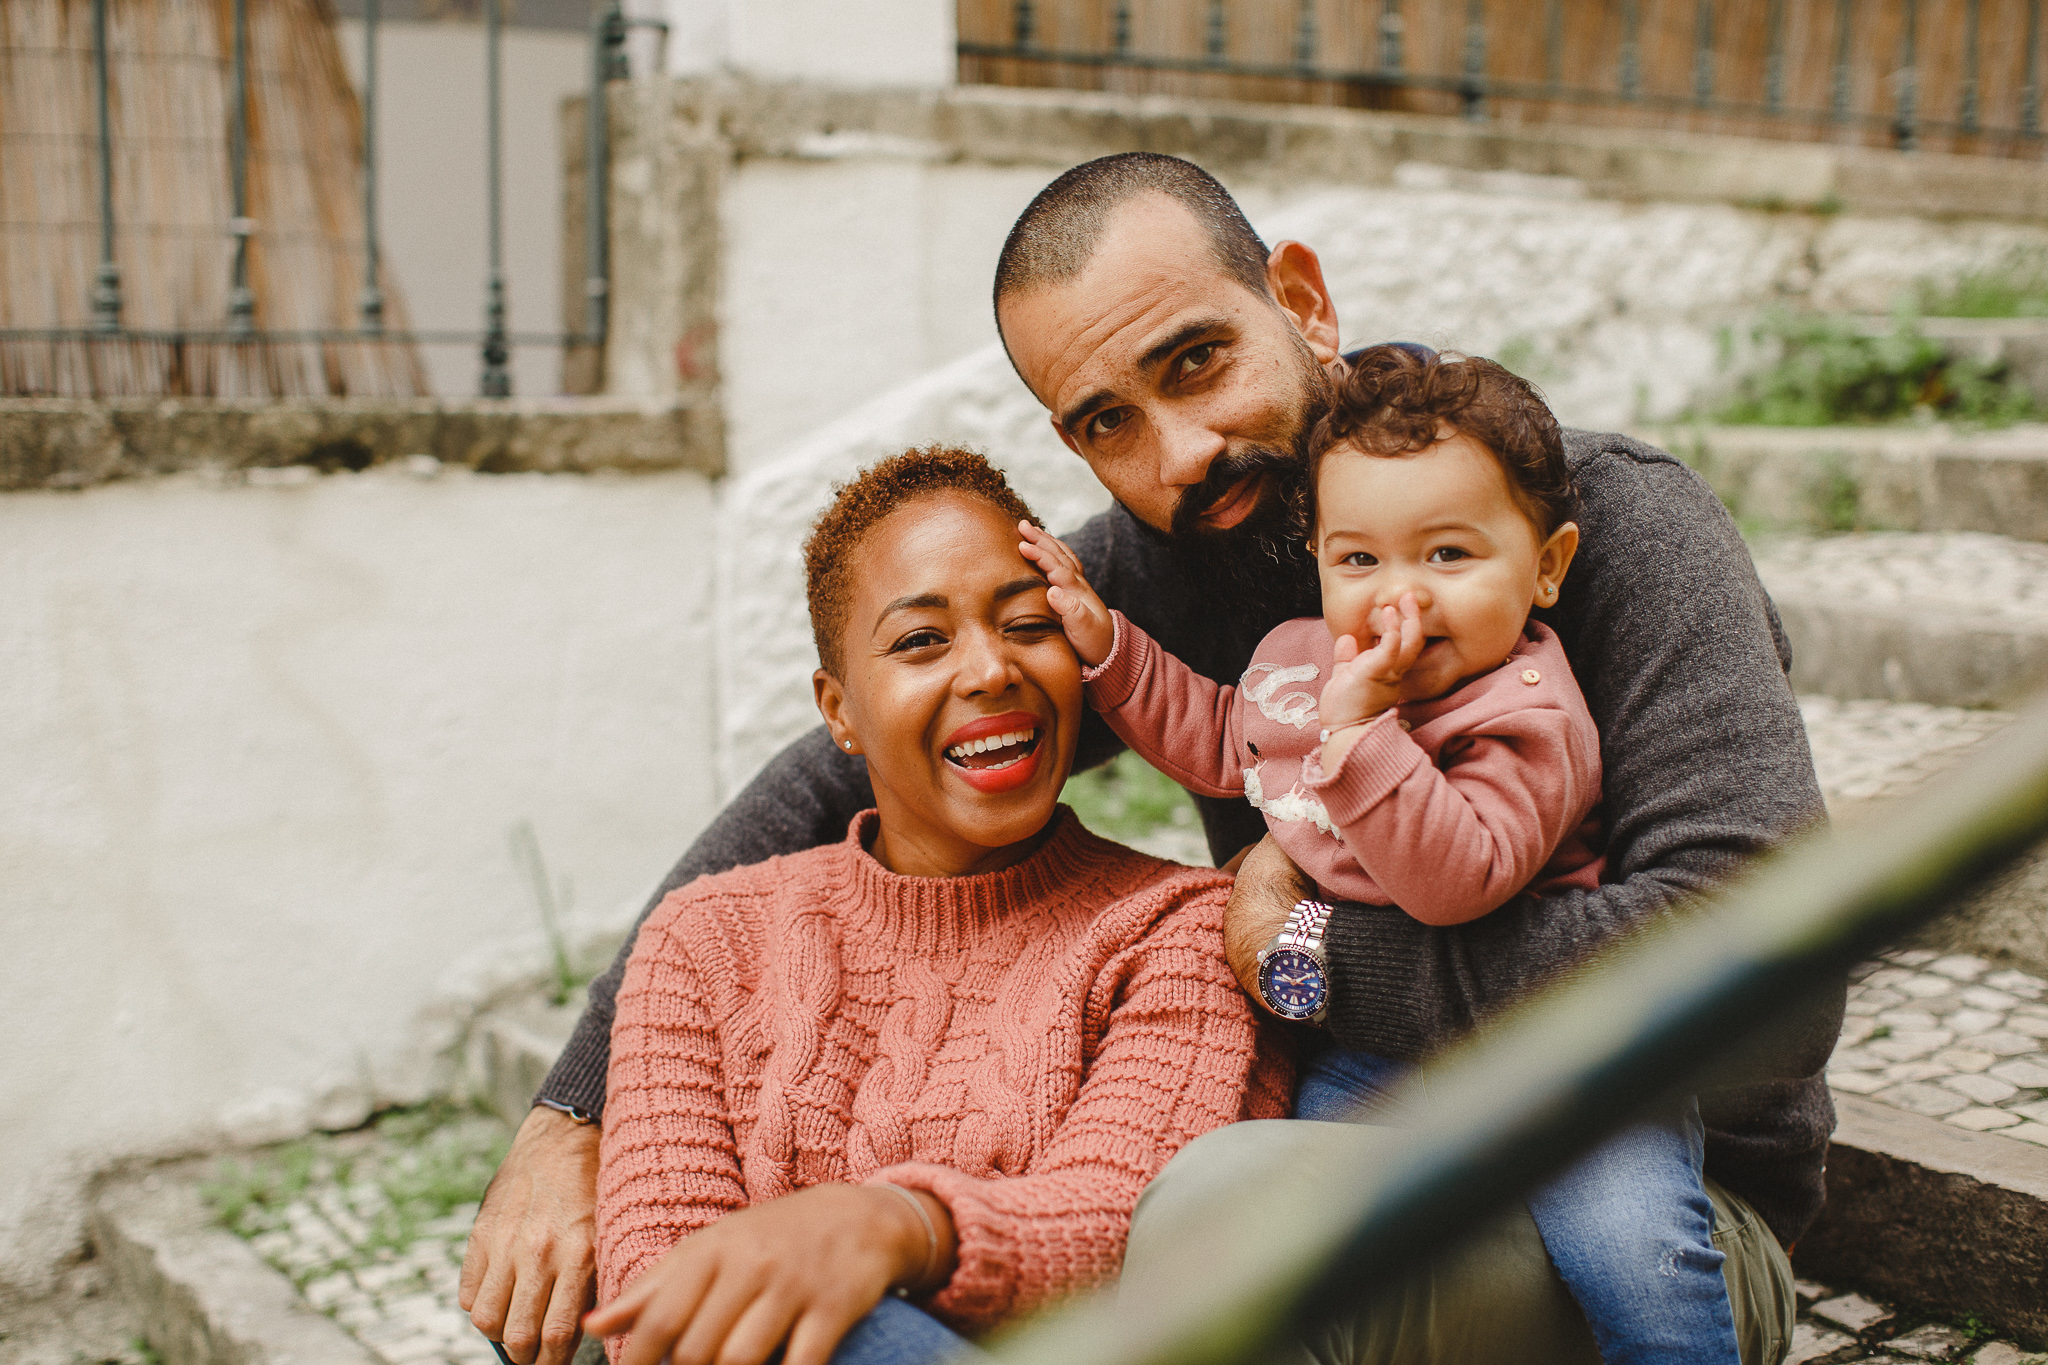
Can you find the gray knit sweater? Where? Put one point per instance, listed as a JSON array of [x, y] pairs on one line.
[[1683, 663]]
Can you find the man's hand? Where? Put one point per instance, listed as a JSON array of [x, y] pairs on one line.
[[531, 1270], [1268, 885], [801, 1270]]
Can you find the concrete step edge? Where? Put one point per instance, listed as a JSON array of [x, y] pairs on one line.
[[1926, 1212], [200, 1295]]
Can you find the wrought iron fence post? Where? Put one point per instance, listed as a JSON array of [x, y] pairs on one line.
[[1703, 53], [1390, 37], [1025, 22], [607, 56], [241, 303], [1838, 103], [497, 378], [1966, 114], [1631, 51], [106, 289], [372, 307], [1120, 28], [1305, 36], [1217, 38], [2030, 87], [1909, 95], [1472, 87], [1774, 59], [1553, 44]]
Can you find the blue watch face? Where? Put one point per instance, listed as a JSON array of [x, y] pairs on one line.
[[1293, 983]]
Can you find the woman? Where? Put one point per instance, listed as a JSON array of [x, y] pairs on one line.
[[943, 1057]]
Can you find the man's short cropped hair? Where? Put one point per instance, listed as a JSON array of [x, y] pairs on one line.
[[1056, 236], [833, 546], [1399, 396]]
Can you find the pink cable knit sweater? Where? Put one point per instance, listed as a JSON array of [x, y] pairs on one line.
[[1029, 1045]]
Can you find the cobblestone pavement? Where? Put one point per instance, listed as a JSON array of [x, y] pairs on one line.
[[1835, 1328], [1957, 573], [1952, 1038], [1874, 749]]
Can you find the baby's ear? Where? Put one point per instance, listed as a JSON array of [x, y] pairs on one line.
[[1553, 561]]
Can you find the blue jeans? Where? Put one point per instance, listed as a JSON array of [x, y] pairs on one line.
[[1630, 1228], [898, 1333]]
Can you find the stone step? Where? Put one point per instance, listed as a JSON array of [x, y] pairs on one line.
[[1947, 618], [1899, 478]]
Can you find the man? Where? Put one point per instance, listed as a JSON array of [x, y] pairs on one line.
[[1184, 362]]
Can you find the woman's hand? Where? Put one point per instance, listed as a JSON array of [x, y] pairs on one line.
[[1364, 683], [1083, 615], [802, 1269]]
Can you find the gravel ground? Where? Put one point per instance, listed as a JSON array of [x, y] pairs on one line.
[[1964, 573]]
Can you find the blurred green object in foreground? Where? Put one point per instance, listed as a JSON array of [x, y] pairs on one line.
[[1126, 799]]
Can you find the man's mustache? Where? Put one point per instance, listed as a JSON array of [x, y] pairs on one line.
[[1226, 472]]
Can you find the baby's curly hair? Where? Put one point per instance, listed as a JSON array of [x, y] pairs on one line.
[[1398, 396], [862, 502]]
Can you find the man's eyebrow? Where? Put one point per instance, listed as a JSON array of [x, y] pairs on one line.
[[1073, 417]]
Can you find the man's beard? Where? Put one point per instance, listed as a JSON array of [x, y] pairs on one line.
[[1259, 570]]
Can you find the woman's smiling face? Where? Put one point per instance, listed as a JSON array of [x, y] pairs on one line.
[[957, 686]]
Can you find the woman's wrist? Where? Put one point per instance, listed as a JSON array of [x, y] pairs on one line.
[[927, 1248]]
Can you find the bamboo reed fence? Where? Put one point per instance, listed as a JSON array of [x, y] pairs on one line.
[[1949, 75], [170, 100]]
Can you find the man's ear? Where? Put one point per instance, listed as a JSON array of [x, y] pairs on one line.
[[831, 699], [1553, 561], [1296, 278]]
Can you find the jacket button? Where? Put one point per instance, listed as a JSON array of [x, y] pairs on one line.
[[1531, 676], [1405, 726]]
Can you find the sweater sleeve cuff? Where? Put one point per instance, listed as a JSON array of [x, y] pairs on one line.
[[1111, 682], [984, 1283], [577, 1080], [1379, 761]]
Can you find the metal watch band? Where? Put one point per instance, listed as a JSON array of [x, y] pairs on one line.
[[1305, 925]]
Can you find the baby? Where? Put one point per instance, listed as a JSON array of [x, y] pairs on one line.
[[1425, 745]]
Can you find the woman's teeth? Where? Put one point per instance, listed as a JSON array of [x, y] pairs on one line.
[[973, 748]]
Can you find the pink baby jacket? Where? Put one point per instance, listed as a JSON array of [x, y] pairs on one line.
[[1447, 808]]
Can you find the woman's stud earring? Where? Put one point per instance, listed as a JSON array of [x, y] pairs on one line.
[[849, 744]]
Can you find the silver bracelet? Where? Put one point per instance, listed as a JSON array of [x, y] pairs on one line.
[[931, 1236]]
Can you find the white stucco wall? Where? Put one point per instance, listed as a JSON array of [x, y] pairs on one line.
[[877, 42], [263, 747], [848, 273]]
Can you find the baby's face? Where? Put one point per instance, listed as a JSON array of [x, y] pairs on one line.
[[1441, 523]]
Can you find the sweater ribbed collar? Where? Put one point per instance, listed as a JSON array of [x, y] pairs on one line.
[[940, 915]]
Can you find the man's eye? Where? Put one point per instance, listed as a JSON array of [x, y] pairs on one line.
[[1196, 358], [1359, 559], [1103, 423], [1447, 554]]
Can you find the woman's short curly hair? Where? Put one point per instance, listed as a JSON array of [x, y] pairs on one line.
[[861, 503], [1398, 396]]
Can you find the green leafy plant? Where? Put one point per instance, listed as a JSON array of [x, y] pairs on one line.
[[1989, 294], [1127, 798], [1833, 370]]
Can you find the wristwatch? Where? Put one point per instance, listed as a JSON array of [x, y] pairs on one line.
[[1294, 972]]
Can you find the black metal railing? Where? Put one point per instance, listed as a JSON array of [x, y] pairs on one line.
[[1664, 1015], [495, 340], [1284, 43]]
